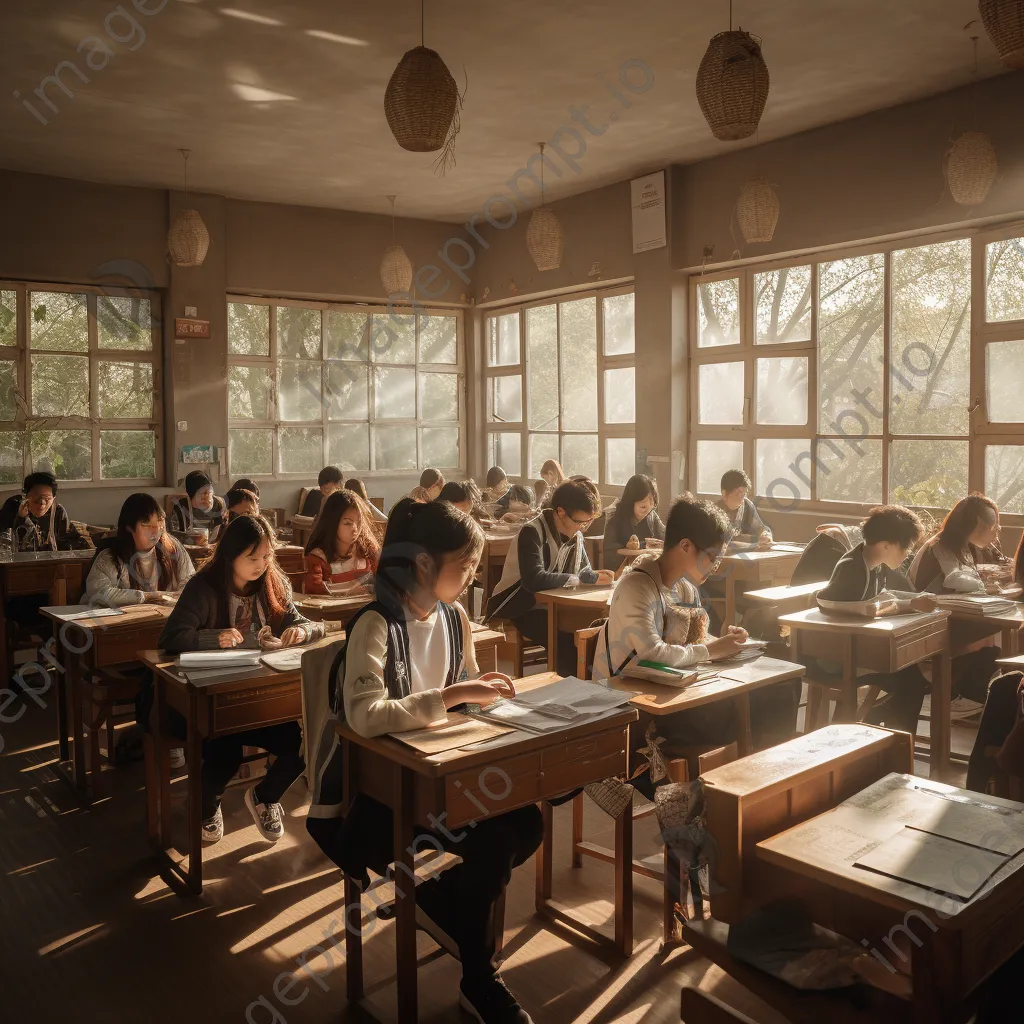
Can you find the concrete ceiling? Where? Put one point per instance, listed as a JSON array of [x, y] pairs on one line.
[[282, 100]]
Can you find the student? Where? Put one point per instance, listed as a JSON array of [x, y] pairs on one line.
[[241, 598], [635, 515], [551, 473], [432, 482], [420, 495], [34, 517], [356, 486], [200, 508], [458, 495], [241, 502], [745, 523], [549, 553], [408, 660], [328, 480], [496, 484], [245, 484], [342, 547], [517, 499], [142, 563]]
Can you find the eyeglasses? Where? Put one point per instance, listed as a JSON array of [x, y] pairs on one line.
[[582, 522]]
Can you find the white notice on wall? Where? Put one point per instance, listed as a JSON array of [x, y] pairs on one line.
[[648, 202]]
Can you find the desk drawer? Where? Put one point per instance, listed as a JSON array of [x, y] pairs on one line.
[[256, 706], [121, 647], [31, 579], [920, 644]]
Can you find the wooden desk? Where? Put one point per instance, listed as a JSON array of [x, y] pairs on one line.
[[569, 610], [886, 644], [321, 608], [772, 566], [787, 599], [1006, 624]]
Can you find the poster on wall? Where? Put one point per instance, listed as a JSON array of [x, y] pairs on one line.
[[648, 203]]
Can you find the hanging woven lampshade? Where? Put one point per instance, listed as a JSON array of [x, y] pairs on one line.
[[545, 239], [1004, 23], [757, 210], [971, 167], [395, 265], [732, 85], [188, 241]]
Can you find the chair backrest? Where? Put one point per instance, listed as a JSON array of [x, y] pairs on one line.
[[291, 560], [820, 556], [303, 494], [586, 650]]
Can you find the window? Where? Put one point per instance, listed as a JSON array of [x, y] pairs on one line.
[[79, 384], [312, 384], [561, 384]]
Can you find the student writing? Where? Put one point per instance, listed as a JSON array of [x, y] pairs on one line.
[[635, 515], [241, 502], [432, 482], [745, 524], [35, 518], [200, 508], [496, 484], [342, 547]]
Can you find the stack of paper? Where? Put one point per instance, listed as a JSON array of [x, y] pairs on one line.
[[555, 706], [227, 658], [975, 604]]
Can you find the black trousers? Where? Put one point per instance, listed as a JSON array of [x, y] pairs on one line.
[[534, 626], [997, 720], [972, 672], [904, 691]]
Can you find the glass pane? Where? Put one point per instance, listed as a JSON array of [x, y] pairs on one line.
[[620, 395], [619, 459], [59, 321], [347, 392], [930, 361], [578, 327], [348, 447], [849, 470], [714, 458], [850, 300], [395, 394], [60, 386], [505, 399], [1004, 381], [542, 367], [1004, 280], [718, 313], [506, 450], [579, 455], [782, 390], [65, 453], [720, 392], [300, 449], [124, 321], [439, 398], [618, 325], [298, 333], [503, 340], [126, 391], [782, 469], [1004, 476], [250, 452], [127, 454], [298, 391], [542, 448], [346, 335], [930, 473], [439, 447], [248, 330], [394, 447], [438, 339], [393, 338], [8, 389], [250, 389], [782, 306], [12, 456], [8, 318]]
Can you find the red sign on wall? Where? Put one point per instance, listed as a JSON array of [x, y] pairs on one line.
[[186, 328]]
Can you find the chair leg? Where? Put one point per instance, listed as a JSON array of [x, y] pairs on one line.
[[110, 736], [813, 710], [577, 830], [498, 923], [517, 656]]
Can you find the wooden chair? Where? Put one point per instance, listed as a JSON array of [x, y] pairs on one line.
[[293, 565], [517, 648]]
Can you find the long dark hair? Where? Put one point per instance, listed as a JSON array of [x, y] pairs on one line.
[[138, 508], [961, 520], [356, 486], [638, 487], [325, 531]]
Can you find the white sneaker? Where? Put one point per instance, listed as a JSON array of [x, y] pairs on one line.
[[269, 818], [213, 828], [963, 707], [177, 757]]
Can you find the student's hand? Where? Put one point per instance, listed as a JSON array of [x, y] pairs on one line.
[[764, 542], [471, 693], [923, 603], [153, 597], [502, 681], [230, 638], [605, 577], [292, 636], [724, 647], [738, 632]]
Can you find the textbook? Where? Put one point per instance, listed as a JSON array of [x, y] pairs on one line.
[[975, 604], [232, 657]]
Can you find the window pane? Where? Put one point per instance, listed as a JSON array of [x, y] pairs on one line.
[[298, 333], [849, 470], [782, 390], [1004, 280], [65, 453], [393, 338], [503, 340], [60, 386], [59, 321], [850, 299], [1004, 476], [720, 391], [126, 391], [713, 459], [251, 452], [439, 398], [542, 448], [395, 394], [930, 473], [12, 456], [505, 399], [8, 389], [348, 447], [439, 447], [347, 392], [506, 450], [127, 454], [8, 318], [1004, 380], [782, 469], [250, 389], [579, 455], [542, 367], [620, 459], [248, 329], [346, 334], [620, 395], [578, 328], [394, 447], [437, 339], [618, 325], [300, 449], [718, 313], [298, 388], [931, 339], [782, 306], [124, 321]]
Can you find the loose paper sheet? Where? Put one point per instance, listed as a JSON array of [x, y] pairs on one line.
[[82, 612], [456, 732]]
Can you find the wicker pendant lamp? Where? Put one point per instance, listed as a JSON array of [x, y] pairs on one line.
[[1004, 23], [395, 265], [545, 239], [757, 210], [970, 163], [188, 241]]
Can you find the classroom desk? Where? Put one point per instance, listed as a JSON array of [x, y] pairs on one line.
[[772, 566], [569, 610], [1007, 624], [324, 608], [453, 785], [886, 644]]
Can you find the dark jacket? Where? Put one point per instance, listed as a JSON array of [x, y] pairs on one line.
[[618, 531], [183, 517], [853, 581], [311, 506], [25, 528]]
